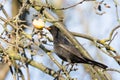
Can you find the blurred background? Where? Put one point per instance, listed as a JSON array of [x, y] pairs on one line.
[[91, 18]]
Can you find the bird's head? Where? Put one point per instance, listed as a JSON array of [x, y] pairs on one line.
[[53, 30]]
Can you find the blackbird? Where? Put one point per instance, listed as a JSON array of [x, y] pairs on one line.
[[67, 51]]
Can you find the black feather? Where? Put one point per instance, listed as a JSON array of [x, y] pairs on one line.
[[67, 51]]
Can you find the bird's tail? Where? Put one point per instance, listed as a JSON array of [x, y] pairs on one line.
[[96, 63]]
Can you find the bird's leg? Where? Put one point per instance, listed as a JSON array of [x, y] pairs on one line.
[[71, 68], [62, 62]]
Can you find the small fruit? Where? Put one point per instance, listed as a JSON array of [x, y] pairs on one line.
[[38, 23]]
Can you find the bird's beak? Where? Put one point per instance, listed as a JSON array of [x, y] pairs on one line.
[[48, 28]]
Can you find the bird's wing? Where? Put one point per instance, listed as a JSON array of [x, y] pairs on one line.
[[71, 49]]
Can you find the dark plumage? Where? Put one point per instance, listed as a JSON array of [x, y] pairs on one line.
[[67, 51]]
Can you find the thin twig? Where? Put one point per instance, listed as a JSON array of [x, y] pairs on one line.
[[73, 5], [110, 36], [60, 66], [4, 11], [111, 69], [117, 11]]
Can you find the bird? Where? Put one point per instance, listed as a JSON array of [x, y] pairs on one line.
[[67, 51]]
